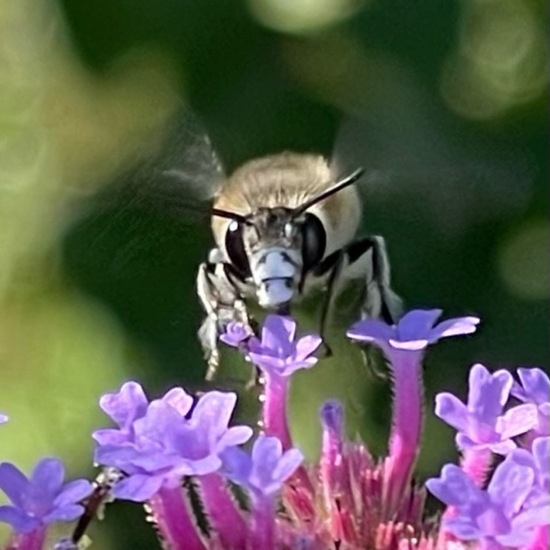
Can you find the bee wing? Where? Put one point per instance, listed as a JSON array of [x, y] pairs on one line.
[[420, 162], [154, 200]]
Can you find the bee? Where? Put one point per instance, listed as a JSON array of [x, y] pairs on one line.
[[283, 226]]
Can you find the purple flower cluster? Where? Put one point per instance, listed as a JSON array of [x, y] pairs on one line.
[[157, 443], [348, 499], [513, 511], [39, 500]]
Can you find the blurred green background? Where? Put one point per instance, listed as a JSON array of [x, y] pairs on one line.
[[445, 102]]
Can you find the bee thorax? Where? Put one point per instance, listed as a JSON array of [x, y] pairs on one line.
[[276, 273]]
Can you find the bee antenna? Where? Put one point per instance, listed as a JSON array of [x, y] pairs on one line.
[[229, 215], [338, 186]]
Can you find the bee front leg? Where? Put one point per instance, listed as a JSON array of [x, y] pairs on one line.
[[222, 303]]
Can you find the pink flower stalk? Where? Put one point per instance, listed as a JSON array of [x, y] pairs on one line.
[[174, 518], [404, 346], [28, 541], [224, 515]]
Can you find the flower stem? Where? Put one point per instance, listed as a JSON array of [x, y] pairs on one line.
[[28, 541], [404, 442], [263, 523], [223, 514], [173, 518], [476, 464], [275, 422], [334, 470]]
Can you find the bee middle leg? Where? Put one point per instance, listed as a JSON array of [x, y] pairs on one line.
[[366, 259]]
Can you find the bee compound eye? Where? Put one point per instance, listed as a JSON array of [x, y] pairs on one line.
[[314, 241], [234, 247]]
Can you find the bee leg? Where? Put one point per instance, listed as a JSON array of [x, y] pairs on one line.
[[380, 301], [222, 304], [333, 265], [366, 259]]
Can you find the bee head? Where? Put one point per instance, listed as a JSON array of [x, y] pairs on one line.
[[276, 247]]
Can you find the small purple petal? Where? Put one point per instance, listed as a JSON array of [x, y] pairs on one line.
[[235, 334], [181, 401], [409, 345], [75, 491], [452, 411], [541, 455], [48, 474], [3, 418], [454, 327], [306, 345], [236, 435], [510, 485], [288, 464], [264, 472], [237, 464], [517, 420], [137, 488], [371, 330], [417, 324], [68, 512], [488, 393], [125, 405], [536, 386], [278, 333], [454, 487], [214, 409], [13, 482]]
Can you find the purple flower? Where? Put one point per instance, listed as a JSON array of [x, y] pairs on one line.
[[414, 331], [236, 333], [481, 423], [278, 352], [404, 345], [535, 388], [130, 404], [42, 499], [3, 418], [538, 460], [501, 515], [166, 442], [264, 472]]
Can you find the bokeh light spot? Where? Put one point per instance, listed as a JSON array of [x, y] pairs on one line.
[[302, 16], [500, 61], [523, 262]]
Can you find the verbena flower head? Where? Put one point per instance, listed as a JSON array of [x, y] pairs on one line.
[[414, 331], [167, 441], [264, 471], [482, 422], [348, 499], [41, 499], [507, 513], [236, 333], [279, 352]]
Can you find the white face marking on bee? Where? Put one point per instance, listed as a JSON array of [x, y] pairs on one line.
[[276, 273]]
